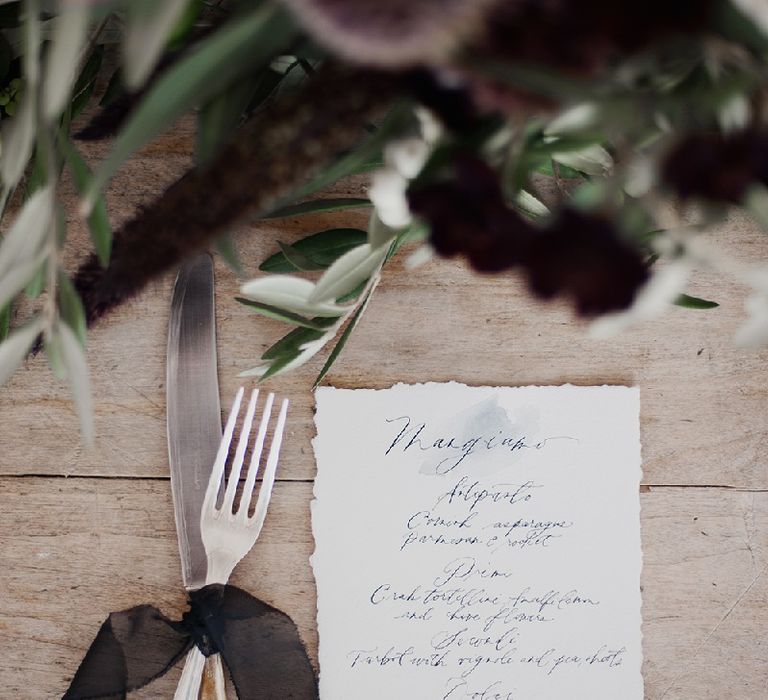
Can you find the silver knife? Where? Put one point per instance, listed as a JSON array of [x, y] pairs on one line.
[[194, 411], [193, 424]]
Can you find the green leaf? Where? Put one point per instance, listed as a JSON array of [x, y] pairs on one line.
[[347, 272], [592, 160], [38, 175], [281, 314], [55, 355], [62, 58], [149, 26], [18, 137], [289, 344], [87, 81], [28, 233], [353, 294], [98, 220], [278, 366], [73, 357], [563, 171], [36, 285], [14, 348], [689, 302], [220, 116], [358, 160], [291, 293], [71, 306], [236, 49], [5, 322], [225, 246], [530, 204], [297, 259], [341, 342], [186, 24], [319, 206], [731, 22], [12, 282], [322, 248]]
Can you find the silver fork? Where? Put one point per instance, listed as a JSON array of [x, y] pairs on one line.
[[228, 532]]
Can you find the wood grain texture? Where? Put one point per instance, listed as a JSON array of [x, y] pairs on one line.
[[74, 549], [703, 417]]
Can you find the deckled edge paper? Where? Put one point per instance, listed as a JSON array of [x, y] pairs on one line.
[[329, 620]]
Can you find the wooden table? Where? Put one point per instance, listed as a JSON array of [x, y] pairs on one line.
[[84, 532]]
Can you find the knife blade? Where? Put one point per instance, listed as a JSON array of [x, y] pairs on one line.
[[193, 408]]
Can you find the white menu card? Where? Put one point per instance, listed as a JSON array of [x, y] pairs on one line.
[[478, 543]]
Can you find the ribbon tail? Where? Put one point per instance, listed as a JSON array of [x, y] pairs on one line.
[[132, 648], [259, 644]]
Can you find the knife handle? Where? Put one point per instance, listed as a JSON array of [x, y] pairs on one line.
[[212, 687]]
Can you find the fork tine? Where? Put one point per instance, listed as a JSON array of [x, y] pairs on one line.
[[217, 472], [253, 467], [269, 472], [237, 465]]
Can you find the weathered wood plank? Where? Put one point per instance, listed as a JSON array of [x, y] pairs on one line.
[[703, 417], [73, 549]]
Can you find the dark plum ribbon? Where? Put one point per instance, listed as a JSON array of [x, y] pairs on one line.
[[259, 644]]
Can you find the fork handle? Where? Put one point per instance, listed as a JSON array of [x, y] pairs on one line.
[[190, 687], [189, 683], [212, 687]]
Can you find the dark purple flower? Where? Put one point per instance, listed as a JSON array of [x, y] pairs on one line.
[[584, 36], [717, 167], [583, 256], [468, 216]]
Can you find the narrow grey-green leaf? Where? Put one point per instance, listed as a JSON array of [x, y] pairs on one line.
[[61, 64], [353, 294], [71, 306], [86, 81], [5, 321], [280, 314], [14, 348], [55, 355], [347, 272], [363, 158], [28, 231], [319, 206], [73, 356], [18, 136], [13, 281], [689, 302], [225, 246], [150, 24], [341, 342], [289, 344], [322, 248], [98, 220], [36, 285], [234, 50], [220, 116]]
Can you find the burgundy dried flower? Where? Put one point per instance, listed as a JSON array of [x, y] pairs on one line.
[[717, 167], [440, 35], [584, 36], [467, 215], [583, 256]]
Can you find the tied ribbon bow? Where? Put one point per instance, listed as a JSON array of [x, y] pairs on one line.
[[259, 644]]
